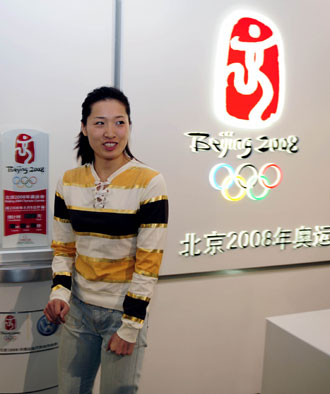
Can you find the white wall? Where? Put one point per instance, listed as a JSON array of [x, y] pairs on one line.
[[53, 54], [207, 334]]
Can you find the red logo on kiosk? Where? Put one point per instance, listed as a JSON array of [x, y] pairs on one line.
[[250, 72], [10, 323], [24, 149]]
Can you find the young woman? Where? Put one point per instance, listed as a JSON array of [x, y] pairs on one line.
[[110, 220]]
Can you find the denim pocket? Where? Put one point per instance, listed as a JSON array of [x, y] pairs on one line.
[[114, 319], [74, 318]]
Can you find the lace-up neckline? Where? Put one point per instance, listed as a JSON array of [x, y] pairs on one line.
[[100, 193], [101, 189]]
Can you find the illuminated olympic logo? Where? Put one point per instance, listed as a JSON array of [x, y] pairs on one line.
[[243, 183], [24, 181]]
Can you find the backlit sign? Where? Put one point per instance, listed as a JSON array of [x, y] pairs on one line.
[[24, 183], [245, 178], [249, 71], [218, 242]]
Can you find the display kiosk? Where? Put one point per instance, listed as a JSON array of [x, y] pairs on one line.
[[297, 354], [28, 342]]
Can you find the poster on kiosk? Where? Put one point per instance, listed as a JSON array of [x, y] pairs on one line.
[[24, 183]]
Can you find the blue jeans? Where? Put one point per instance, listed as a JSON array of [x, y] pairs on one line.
[[83, 347]]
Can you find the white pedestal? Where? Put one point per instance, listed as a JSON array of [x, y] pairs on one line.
[[297, 354], [28, 344]]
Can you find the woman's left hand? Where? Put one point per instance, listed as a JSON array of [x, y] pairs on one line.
[[119, 346]]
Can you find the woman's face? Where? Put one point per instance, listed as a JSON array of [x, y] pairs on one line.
[[107, 130]]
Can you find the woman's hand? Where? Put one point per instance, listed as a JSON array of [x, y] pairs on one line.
[[56, 310], [119, 346]]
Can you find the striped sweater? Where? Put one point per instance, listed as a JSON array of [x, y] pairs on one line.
[[110, 256]]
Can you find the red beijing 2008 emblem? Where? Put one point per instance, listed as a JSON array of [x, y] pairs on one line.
[[10, 323], [24, 149], [249, 74]]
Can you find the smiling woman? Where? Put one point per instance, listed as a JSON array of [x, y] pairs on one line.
[[110, 220], [107, 130]]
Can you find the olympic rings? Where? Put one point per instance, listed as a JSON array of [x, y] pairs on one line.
[[278, 171], [262, 195], [24, 181], [240, 168], [245, 185], [225, 187], [213, 172]]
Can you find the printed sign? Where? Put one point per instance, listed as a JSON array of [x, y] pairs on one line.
[[249, 72], [24, 170], [26, 332], [25, 212]]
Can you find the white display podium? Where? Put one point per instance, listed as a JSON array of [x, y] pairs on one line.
[[28, 342], [297, 354]]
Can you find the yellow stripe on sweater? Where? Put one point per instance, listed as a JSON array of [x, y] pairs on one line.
[[61, 220], [81, 177], [133, 318], [105, 270], [85, 234], [158, 198], [133, 178], [59, 195], [138, 297], [154, 225], [64, 273], [125, 211], [65, 249], [148, 262]]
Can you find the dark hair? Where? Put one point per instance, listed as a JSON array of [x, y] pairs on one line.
[[84, 151]]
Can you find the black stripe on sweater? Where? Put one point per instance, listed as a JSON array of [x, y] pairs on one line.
[[154, 212], [62, 280], [60, 209], [135, 307], [113, 224]]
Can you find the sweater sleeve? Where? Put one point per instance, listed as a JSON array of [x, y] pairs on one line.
[[64, 248], [153, 218]]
